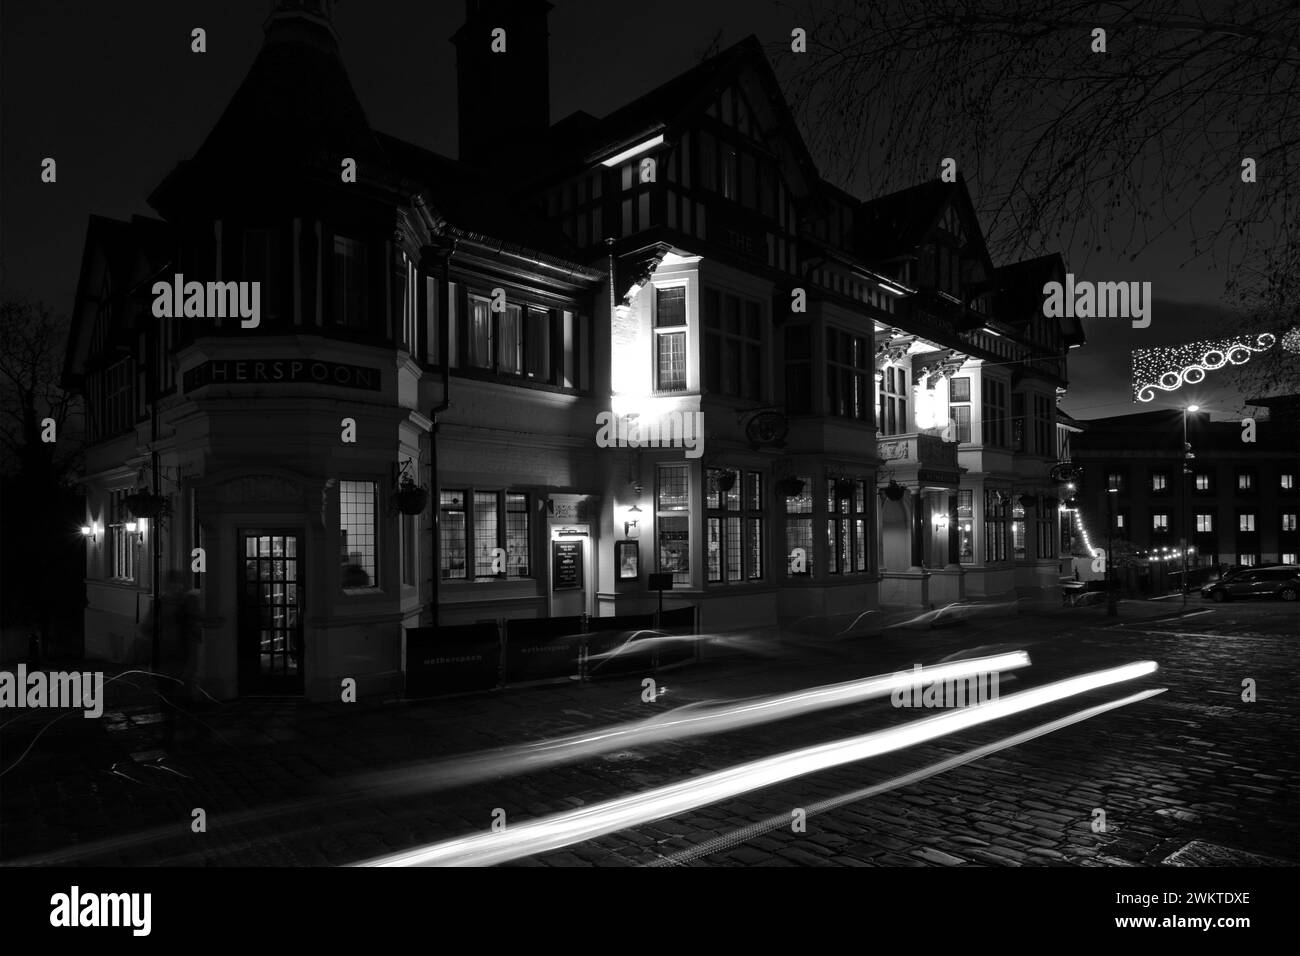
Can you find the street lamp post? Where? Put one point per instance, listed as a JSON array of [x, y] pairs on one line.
[[1111, 610], [1182, 488]]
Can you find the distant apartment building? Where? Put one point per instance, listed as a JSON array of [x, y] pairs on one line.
[[1230, 502]]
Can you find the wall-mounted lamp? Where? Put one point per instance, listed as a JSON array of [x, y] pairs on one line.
[[632, 526], [90, 531]]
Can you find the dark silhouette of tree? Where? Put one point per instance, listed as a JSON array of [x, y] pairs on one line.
[[42, 566], [1061, 144]]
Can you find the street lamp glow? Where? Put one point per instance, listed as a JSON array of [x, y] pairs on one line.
[[1193, 408]]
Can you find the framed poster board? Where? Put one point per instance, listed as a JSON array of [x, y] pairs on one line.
[[566, 565], [627, 556]]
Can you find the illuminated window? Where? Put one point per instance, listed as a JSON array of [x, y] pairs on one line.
[[670, 338], [1246, 560], [1287, 481], [493, 527], [672, 516], [1159, 481], [1160, 522], [1246, 522], [734, 525], [959, 410], [1288, 522], [799, 527], [893, 419], [1245, 481], [1205, 523], [1203, 482], [120, 543], [965, 521], [997, 525], [358, 533], [846, 526]]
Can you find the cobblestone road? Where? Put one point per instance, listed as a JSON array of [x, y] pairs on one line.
[[1194, 765]]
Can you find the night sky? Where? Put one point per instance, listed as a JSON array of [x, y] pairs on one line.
[[114, 94]]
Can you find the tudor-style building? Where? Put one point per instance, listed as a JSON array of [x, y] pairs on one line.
[[851, 406]]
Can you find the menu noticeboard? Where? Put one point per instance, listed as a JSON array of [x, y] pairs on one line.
[[566, 565]]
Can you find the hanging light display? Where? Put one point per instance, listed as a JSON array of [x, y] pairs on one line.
[[1168, 369]]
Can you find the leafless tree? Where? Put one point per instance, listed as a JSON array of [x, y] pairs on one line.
[[31, 362], [1064, 146]]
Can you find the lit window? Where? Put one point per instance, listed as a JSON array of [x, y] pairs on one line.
[[670, 335], [1246, 523], [1289, 557], [1245, 481], [495, 530], [672, 514], [1160, 522], [1246, 560], [1288, 522], [734, 525], [1119, 522], [1288, 481], [358, 544], [1159, 481], [121, 544], [1202, 481], [958, 393], [965, 519], [798, 525], [1205, 522], [846, 525], [892, 419], [997, 525]]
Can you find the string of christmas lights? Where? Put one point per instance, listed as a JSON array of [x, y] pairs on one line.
[[1168, 369]]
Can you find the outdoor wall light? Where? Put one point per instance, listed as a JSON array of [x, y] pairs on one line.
[[90, 531]]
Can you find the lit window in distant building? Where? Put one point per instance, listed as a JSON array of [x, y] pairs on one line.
[[1245, 481], [1246, 560], [1202, 481], [672, 516], [1115, 480], [358, 533], [798, 526], [1205, 522], [1288, 522], [1289, 557], [1119, 522], [1160, 522], [670, 339], [1159, 481], [1018, 531], [1246, 522], [1287, 481]]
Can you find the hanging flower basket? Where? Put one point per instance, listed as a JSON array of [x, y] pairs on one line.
[[1028, 502], [844, 487], [894, 491], [411, 499], [145, 504], [790, 487]]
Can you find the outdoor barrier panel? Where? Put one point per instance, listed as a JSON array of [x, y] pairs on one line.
[[447, 660], [542, 648], [617, 645]]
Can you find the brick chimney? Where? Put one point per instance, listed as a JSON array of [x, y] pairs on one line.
[[504, 98]]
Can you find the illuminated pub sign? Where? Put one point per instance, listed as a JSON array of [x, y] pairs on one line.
[[280, 372]]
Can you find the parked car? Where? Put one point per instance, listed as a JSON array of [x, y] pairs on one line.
[[1281, 581]]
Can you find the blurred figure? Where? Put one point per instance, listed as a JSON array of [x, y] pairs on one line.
[[179, 636]]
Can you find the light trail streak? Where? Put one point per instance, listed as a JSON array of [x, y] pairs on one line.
[[690, 721], [550, 833], [782, 820]]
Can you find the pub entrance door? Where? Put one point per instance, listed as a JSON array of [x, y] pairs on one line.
[[270, 642]]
